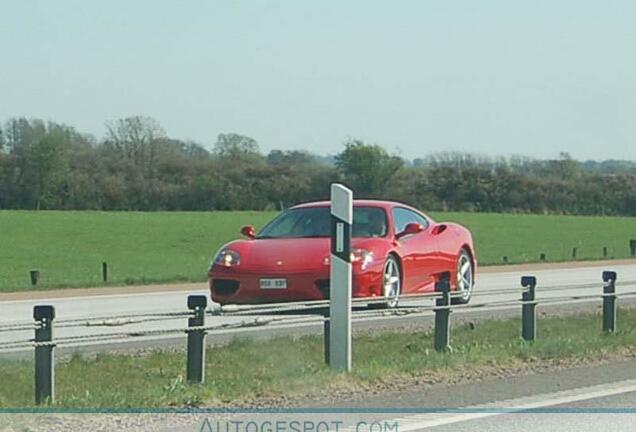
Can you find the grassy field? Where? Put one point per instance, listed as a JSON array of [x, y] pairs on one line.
[[69, 247], [247, 370]]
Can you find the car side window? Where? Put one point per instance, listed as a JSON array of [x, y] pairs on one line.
[[402, 217]]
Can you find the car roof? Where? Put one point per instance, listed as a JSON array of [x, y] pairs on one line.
[[357, 203]]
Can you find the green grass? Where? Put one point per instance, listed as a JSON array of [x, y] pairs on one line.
[[69, 247], [247, 370], [522, 238]]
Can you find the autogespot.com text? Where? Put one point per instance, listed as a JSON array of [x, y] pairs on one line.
[[209, 425]]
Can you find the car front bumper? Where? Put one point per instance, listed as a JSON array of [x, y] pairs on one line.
[[229, 286]]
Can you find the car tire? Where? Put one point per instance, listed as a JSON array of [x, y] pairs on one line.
[[465, 278], [391, 282]]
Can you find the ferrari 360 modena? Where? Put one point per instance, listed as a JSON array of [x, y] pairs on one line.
[[396, 250]]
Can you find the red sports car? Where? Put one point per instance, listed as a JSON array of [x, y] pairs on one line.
[[396, 250]]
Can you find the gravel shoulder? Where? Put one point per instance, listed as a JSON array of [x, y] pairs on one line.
[[474, 386]]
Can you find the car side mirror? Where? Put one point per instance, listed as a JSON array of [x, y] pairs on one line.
[[248, 231], [411, 228]]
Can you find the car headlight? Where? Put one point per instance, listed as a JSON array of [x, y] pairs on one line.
[[363, 256], [227, 258]]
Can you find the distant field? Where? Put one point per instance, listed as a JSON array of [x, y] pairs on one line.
[[69, 247]]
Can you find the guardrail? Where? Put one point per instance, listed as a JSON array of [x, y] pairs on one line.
[[269, 315]]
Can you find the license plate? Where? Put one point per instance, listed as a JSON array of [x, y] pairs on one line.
[[273, 283]]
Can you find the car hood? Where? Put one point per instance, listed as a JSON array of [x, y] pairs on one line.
[[290, 254]]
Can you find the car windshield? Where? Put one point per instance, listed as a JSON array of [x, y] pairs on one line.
[[316, 222]]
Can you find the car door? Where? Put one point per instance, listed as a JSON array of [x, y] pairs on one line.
[[419, 251]]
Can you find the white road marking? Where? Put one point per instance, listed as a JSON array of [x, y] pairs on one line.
[[428, 420]]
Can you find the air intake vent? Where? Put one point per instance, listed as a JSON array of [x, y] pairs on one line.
[[225, 286]]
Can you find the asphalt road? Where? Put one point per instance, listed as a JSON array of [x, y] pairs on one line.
[[583, 398], [615, 412], [588, 398], [89, 311]]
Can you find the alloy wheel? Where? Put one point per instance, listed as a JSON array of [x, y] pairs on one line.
[[464, 277], [392, 282]]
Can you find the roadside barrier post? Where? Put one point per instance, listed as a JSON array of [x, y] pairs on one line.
[[442, 314], [340, 279], [325, 338], [528, 308], [35, 277], [44, 361], [609, 301], [632, 248], [196, 339], [105, 271]]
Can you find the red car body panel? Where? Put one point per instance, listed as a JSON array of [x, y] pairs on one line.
[[304, 262]]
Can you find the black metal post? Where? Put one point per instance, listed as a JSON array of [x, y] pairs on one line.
[[609, 301], [44, 360], [528, 308], [105, 271], [325, 337], [196, 339], [35, 276], [573, 252], [442, 314], [632, 248]]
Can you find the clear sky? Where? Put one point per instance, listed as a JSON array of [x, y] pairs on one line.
[[493, 77]]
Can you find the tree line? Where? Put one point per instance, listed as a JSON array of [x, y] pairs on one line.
[[136, 166]]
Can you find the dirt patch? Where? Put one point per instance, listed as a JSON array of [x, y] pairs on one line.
[[102, 291], [554, 265]]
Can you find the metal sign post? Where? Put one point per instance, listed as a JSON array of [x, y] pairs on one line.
[[528, 308], [195, 369], [340, 278], [609, 301], [44, 360]]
